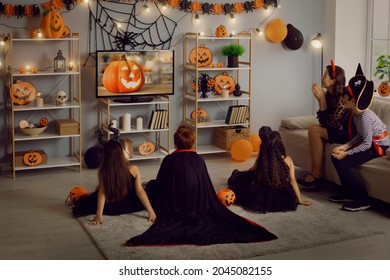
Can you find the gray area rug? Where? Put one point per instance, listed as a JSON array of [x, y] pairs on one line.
[[305, 228]]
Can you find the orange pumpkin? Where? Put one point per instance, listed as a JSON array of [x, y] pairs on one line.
[[227, 197], [22, 93], [76, 192], [34, 33], [200, 113], [53, 25], [204, 57], [383, 89], [43, 121], [221, 31], [32, 158], [220, 65], [224, 81], [146, 148], [123, 76]]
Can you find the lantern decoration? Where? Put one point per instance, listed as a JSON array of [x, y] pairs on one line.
[[227, 197], [276, 30], [32, 158], [294, 38], [146, 148], [241, 150], [22, 93], [256, 142], [204, 57], [75, 193], [221, 31], [123, 76], [59, 62]]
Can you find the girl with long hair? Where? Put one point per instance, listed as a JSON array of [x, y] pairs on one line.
[[120, 188], [269, 185]]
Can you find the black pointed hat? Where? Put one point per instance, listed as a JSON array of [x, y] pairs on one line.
[[361, 89]]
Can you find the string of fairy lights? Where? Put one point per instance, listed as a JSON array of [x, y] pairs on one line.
[[198, 10]]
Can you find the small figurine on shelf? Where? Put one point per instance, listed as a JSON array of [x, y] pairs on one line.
[[61, 98], [237, 91]]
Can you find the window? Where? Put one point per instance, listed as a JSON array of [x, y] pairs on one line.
[[378, 33]]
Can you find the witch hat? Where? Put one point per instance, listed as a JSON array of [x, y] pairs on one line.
[[361, 90]]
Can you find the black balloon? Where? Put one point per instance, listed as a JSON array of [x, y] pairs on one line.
[[93, 156], [294, 38]]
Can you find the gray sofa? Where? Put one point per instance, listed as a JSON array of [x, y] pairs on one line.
[[375, 173]]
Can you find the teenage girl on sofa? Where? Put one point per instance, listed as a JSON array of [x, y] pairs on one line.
[[334, 126]]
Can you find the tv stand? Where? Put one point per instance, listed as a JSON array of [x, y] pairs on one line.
[[133, 99]]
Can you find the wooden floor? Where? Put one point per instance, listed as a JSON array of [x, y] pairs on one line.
[[36, 223]]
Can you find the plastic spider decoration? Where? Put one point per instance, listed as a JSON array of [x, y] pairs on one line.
[[204, 85], [123, 39], [227, 8], [206, 8], [248, 6], [185, 5]]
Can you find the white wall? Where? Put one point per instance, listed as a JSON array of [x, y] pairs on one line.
[[281, 77]]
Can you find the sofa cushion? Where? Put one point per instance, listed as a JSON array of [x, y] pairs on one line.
[[299, 122]]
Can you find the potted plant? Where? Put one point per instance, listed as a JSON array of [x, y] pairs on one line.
[[233, 51], [382, 71]]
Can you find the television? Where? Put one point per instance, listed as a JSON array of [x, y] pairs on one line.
[[134, 75]]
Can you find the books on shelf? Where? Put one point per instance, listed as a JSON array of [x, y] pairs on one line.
[[237, 114], [158, 119]]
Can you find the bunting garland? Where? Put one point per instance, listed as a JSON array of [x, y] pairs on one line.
[[195, 7]]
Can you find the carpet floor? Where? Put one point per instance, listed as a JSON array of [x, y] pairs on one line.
[[305, 228]]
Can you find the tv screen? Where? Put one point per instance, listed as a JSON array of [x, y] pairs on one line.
[[127, 75]]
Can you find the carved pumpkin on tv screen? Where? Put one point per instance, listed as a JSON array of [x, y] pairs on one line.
[[22, 93], [227, 197], [32, 158], [53, 25], [123, 76], [224, 81], [204, 57]]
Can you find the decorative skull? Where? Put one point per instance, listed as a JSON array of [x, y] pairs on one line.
[[61, 98]]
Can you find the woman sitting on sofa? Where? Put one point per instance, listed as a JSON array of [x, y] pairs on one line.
[[270, 185], [335, 126]]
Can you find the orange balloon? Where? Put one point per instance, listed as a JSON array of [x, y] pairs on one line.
[[276, 30], [255, 141], [241, 150]]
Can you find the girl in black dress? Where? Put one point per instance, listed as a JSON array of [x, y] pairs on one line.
[[269, 185], [120, 188]]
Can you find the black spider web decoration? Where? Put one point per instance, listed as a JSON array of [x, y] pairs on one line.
[[134, 34]]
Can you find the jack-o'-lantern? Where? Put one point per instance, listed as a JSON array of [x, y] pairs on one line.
[[123, 76], [384, 89], [220, 65], [43, 121], [201, 115], [34, 33], [76, 192], [224, 81], [32, 158], [221, 31], [204, 57], [227, 197], [22, 93], [146, 148], [53, 25]]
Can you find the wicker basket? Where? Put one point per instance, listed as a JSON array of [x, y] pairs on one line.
[[225, 136]]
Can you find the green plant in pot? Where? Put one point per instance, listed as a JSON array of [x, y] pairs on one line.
[[233, 51], [382, 72]]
